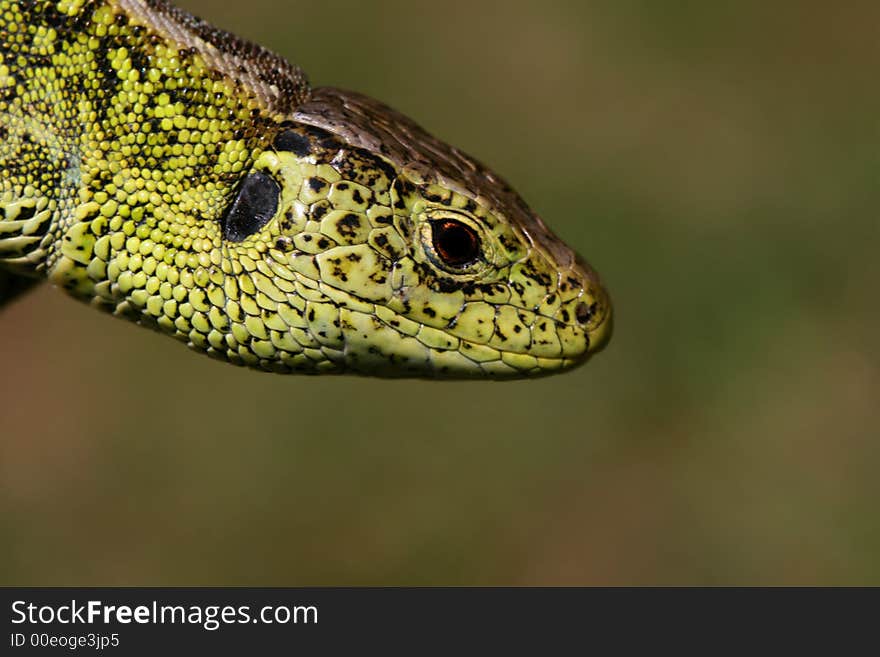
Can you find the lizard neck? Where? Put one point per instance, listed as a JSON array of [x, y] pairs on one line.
[[114, 125], [40, 131]]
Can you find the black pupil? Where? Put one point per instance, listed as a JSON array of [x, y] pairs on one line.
[[456, 243]]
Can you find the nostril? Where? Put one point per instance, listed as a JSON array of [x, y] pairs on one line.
[[584, 312]]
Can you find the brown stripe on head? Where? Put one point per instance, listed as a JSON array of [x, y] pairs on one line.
[[366, 123], [278, 85]]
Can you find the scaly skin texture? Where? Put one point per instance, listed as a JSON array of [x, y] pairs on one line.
[[172, 174]]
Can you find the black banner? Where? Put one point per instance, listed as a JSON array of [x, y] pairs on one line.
[[336, 621]]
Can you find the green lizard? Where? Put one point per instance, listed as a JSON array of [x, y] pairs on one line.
[[175, 175]]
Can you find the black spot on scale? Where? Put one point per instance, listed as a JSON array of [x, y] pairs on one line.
[[139, 59], [403, 188], [318, 211], [293, 142], [447, 285], [287, 222], [348, 225], [253, 207], [27, 213], [317, 184], [54, 18], [584, 313], [375, 163], [509, 244], [541, 278], [38, 60]]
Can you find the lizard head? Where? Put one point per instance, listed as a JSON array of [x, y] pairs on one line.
[[404, 256]]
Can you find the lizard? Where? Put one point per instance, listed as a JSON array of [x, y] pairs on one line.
[[175, 175]]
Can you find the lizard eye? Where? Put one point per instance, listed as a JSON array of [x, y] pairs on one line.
[[456, 243]]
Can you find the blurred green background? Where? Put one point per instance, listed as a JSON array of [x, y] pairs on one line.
[[716, 162]]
